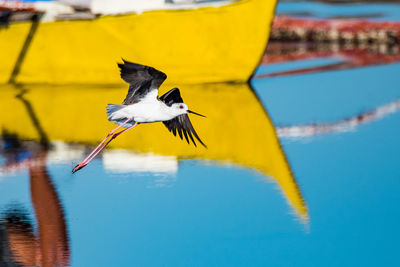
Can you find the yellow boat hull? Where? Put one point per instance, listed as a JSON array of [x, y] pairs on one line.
[[237, 129], [209, 44]]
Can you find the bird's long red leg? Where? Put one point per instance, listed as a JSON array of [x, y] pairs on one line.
[[84, 162], [102, 142], [113, 137]]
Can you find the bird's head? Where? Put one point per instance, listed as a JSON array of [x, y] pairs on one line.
[[182, 108]]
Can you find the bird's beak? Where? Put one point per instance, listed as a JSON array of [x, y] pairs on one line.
[[189, 111]]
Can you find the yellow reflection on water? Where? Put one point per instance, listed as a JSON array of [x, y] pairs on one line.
[[237, 129]]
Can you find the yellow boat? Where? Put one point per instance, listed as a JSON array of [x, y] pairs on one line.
[[76, 114], [207, 44]]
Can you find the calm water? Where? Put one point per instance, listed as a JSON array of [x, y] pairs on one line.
[[328, 195]]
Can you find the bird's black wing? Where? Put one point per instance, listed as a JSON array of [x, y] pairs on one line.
[[171, 97], [180, 124], [184, 127], [142, 80]]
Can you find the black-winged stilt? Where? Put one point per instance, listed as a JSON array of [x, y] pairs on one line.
[[142, 105]]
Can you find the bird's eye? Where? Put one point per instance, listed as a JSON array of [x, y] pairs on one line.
[[181, 107]]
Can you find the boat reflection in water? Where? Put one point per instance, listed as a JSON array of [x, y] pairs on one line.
[[349, 56], [19, 243], [237, 129]]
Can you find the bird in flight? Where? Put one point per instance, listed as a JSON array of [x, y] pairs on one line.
[[142, 105]]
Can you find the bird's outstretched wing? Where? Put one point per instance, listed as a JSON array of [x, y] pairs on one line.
[[181, 123], [142, 80], [184, 127]]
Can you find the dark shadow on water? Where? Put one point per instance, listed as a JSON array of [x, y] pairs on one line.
[[20, 244], [44, 141], [16, 226]]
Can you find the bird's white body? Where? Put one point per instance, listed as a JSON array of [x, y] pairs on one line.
[[149, 109]]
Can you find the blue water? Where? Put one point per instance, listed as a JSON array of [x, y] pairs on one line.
[[375, 11], [351, 185], [328, 96]]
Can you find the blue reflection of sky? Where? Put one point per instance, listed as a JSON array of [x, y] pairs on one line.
[[350, 181], [211, 216], [352, 195], [204, 217], [322, 10], [14, 189], [328, 96]]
